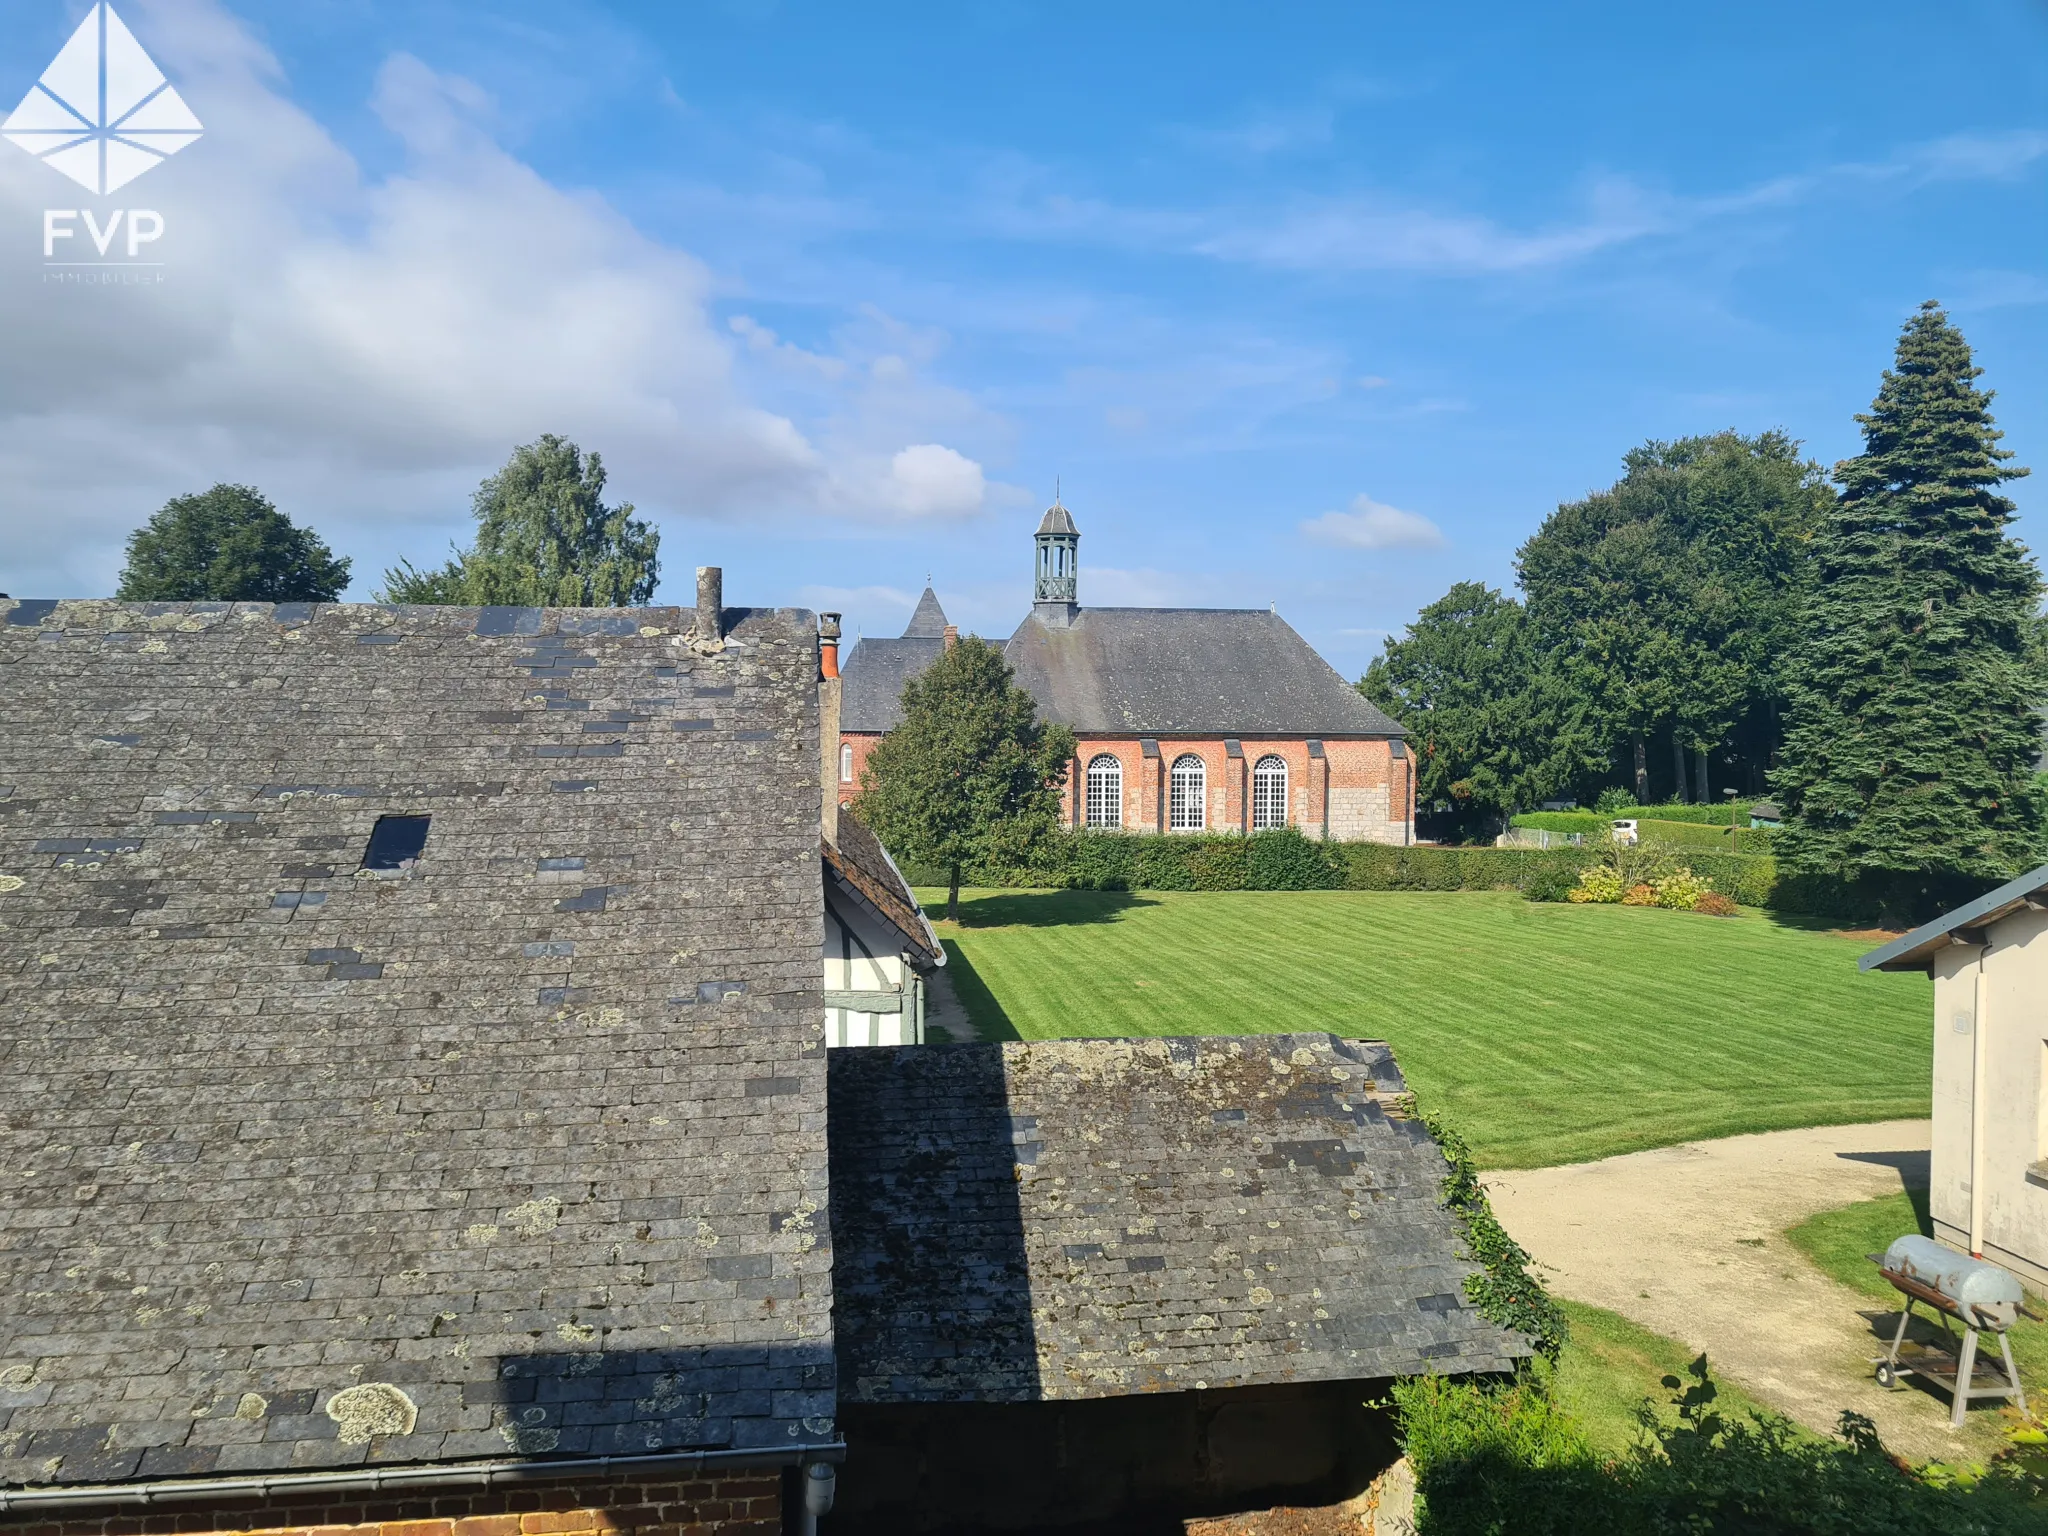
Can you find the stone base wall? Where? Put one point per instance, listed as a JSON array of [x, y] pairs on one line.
[[1363, 816], [738, 1503]]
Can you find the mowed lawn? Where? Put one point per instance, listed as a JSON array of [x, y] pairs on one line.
[[1550, 1033]]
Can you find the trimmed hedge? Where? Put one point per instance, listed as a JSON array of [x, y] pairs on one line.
[[1658, 829], [1284, 860]]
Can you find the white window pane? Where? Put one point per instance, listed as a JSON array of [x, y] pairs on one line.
[[1189, 791], [1269, 794], [1105, 806]]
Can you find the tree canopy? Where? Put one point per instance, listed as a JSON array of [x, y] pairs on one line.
[[1913, 724], [228, 545], [544, 538], [1666, 604], [971, 775], [1464, 680], [1661, 608]]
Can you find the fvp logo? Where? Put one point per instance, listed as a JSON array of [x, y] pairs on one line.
[[102, 112]]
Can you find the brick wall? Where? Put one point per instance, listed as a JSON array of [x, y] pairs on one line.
[[1366, 787], [736, 1503]]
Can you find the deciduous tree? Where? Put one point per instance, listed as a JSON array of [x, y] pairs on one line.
[[971, 774], [1465, 683], [1666, 604], [544, 538], [228, 545]]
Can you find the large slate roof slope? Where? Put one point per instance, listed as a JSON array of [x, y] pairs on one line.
[[524, 1142], [1088, 1218], [871, 697], [1186, 671], [871, 693]]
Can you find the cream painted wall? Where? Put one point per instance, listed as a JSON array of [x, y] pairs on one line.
[[856, 962], [2014, 1032]]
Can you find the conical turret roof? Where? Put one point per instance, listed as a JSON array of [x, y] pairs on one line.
[[929, 621]]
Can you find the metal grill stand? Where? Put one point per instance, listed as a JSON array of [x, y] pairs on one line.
[[1955, 1372]]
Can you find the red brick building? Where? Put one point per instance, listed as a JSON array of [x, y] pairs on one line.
[[1188, 719]]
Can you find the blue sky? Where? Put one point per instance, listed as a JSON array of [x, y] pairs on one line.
[[1323, 306]]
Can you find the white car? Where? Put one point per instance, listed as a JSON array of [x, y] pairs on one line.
[[1625, 832]]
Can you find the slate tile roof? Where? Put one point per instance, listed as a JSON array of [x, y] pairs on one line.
[[517, 1149], [864, 866], [928, 622], [1186, 671], [1088, 1218], [1141, 672], [872, 679]]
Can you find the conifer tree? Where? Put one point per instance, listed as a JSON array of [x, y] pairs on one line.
[[1908, 760]]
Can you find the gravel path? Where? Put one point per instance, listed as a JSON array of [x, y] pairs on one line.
[[1688, 1241]]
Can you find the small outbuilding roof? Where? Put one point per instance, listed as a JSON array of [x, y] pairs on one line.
[[1092, 1218], [862, 866], [515, 1148], [1915, 951], [1186, 671]]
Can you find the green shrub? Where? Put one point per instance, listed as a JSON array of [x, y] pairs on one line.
[[1503, 1291], [1681, 890], [1284, 860], [1563, 821], [1597, 883], [1553, 882], [1494, 1459]]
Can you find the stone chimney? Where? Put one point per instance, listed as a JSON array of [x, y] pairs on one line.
[[710, 603], [952, 636], [828, 723]]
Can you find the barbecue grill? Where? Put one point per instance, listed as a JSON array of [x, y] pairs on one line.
[[1980, 1296]]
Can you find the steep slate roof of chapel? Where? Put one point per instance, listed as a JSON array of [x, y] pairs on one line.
[[871, 690], [928, 622], [1186, 671], [1088, 1218], [531, 1132]]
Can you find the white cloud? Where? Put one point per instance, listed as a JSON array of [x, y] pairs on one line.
[[1374, 525], [1377, 232], [931, 480], [366, 349]]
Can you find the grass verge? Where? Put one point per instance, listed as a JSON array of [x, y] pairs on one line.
[[1836, 1241], [1610, 1367]]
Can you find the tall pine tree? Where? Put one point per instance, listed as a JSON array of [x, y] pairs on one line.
[[1908, 760]]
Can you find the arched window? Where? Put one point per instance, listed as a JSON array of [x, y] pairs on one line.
[[1190, 794], [846, 762], [1269, 794], [1105, 792]]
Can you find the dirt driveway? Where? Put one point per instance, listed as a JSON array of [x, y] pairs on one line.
[[1687, 1240]]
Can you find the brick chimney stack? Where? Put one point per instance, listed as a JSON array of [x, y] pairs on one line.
[[952, 636], [829, 687], [828, 644]]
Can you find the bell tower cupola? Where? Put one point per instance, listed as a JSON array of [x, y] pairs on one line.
[[1056, 590]]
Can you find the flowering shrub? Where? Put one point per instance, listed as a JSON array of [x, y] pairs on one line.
[[1597, 882], [1714, 904], [1681, 890], [1639, 896]]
